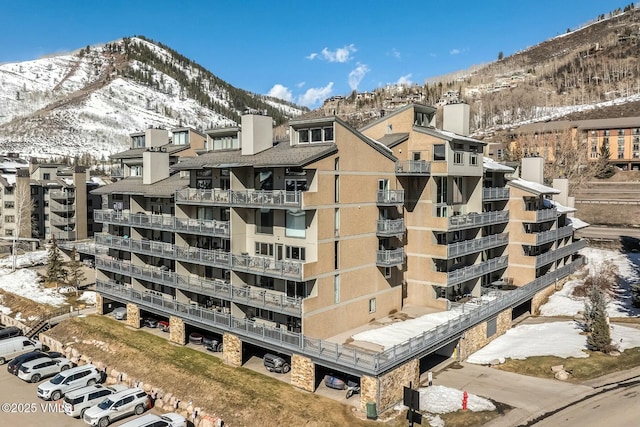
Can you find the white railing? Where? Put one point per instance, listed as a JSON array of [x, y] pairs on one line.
[[390, 227], [495, 193], [209, 227], [474, 271], [413, 167], [388, 258], [474, 219], [475, 245], [390, 197]]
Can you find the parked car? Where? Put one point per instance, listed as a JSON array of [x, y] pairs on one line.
[[34, 370], [78, 401], [13, 347], [212, 344], [150, 322], [119, 313], [152, 420], [10, 332], [335, 382], [275, 363], [163, 325], [118, 405], [16, 362], [196, 338], [69, 380]]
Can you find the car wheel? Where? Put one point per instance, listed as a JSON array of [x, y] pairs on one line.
[[64, 367], [2, 360], [139, 410], [286, 368], [91, 382], [56, 395], [82, 413], [35, 378], [220, 348], [104, 422]]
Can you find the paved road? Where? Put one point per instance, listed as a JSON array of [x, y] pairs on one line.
[[612, 233]]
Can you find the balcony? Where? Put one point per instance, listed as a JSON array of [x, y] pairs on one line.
[[252, 296], [390, 227], [390, 258], [212, 257], [60, 221], [413, 167], [241, 198], [62, 195], [390, 197], [116, 173], [495, 193], [540, 215], [206, 227], [554, 255], [474, 219], [476, 245], [477, 270], [64, 235], [552, 235], [60, 207], [194, 196]]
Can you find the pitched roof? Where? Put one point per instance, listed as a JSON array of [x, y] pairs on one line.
[[134, 186], [393, 139], [446, 135], [491, 165], [422, 108], [532, 187], [137, 152]]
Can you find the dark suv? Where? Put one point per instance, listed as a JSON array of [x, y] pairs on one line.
[[10, 332], [275, 363], [16, 362]]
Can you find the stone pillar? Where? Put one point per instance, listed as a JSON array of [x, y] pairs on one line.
[[133, 315], [476, 338], [232, 350], [176, 330], [303, 373], [387, 389], [99, 306]]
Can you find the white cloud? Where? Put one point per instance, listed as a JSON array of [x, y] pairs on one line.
[[299, 85], [311, 56], [315, 94], [395, 53], [356, 75], [405, 80], [454, 51], [341, 54], [280, 91]]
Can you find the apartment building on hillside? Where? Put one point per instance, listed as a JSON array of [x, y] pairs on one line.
[[289, 246]]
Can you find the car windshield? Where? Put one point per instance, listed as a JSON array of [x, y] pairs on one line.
[[57, 379], [105, 404]]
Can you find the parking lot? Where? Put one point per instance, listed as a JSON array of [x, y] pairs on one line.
[[19, 406]]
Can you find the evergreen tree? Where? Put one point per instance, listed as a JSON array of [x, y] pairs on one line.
[[76, 274], [596, 317], [55, 270], [605, 168]]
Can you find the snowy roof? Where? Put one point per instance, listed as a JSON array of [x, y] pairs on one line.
[[491, 165], [577, 223], [560, 208], [11, 178], [447, 136], [532, 187]]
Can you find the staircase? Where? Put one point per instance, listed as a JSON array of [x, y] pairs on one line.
[[44, 322]]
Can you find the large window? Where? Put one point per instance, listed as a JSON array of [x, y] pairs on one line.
[[421, 119], [181, 138], [264, 221], [136, 170], [296, 223], [264, 249], [315, 135], [336, 289], [295, 253], [226, 142], [9, 205], [458, 158], [9, 218], [439, 152], [137, 141]]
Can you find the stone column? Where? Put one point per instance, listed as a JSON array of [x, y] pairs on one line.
[[133, 315], [388, 389], [176, 330], [99, 306], [232, 350], [303, 373], [475, 338]]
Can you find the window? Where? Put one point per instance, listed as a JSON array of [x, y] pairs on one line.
[[473, 159], [181, 138], [46, 176], [372, 305], [8, 190], [315, 135], [491, 327], [295, 253], [500, 153], [9, 205], [264, 221], [226, 142], [336, 255], [439, 152], [336, 185], [336, 289], [137, 141], [421, 119], [458, 189], [264, 249], [298, 184], [8, 232], [336, 164], [9, 218], [328, 134], [296, 223], [387, 272], [336, 222], [458, 158], [136, 170]]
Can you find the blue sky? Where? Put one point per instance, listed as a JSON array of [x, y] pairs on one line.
[[301, 50]]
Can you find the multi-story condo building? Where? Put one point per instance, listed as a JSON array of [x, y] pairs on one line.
[[288, 246], [621, 136]]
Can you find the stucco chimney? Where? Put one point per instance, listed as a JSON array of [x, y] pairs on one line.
[[257, 133], [155, 166], [533, 169], [455, 118]]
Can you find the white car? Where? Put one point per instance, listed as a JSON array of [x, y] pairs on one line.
[[78, 401], [34, 370], [152, 420], [118, 405], [69, 380]]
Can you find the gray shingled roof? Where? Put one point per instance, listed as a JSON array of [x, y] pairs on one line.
[[137, 152], [281, 155], [134, 186], [393, 139]]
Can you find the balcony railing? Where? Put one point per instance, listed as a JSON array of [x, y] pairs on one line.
[[390, 258], [476, 245], [350, 359], [495, 193], [64, 235], [553, 235], [62, 195], [477, 270], [61, 221], [117, 173], [554, 255], [413, 167], [390, 197], [264, 266], [252, 296], [207, 227], [542, 215], [390, 227], [474, 219], [60, 207], [257, 198]]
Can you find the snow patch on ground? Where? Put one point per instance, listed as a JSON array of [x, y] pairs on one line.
[[29, 259], [441, 400], [25, 284], [88, 297], [560, 339]]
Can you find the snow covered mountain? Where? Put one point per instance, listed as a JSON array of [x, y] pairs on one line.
[[90, 100]]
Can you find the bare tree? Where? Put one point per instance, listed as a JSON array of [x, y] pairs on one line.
[[24, 208]]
